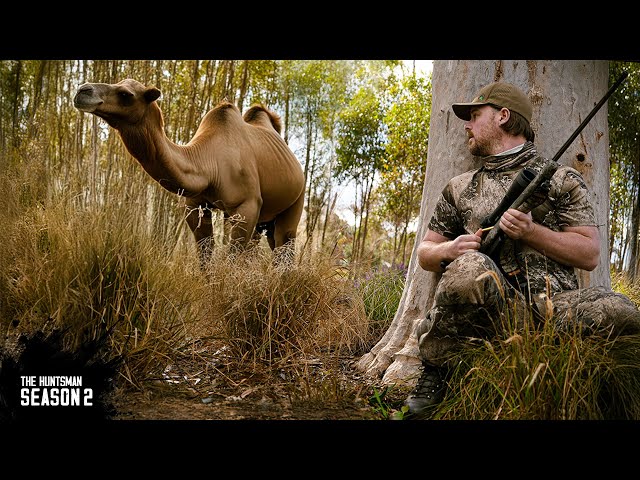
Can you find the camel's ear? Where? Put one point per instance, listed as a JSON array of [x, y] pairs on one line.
[[151, 94]]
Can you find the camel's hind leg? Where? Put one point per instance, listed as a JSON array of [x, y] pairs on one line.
[[285, 231]]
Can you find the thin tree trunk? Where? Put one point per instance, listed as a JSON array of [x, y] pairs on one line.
[[191, 125], [331, 205], [244, 84], [357, 225], [207, 87], [229, 91], [15, 138], [635, 223], [365, 215], [167, 102], [310, 164]]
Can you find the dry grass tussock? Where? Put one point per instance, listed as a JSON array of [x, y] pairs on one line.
[[91, 275], [269, 314]]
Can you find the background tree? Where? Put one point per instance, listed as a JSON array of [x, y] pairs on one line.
[[360, 153], [624, 129], [565, 90], [402, 172], [315, 92]]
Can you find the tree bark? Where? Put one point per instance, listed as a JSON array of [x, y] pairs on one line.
[[563, 93]]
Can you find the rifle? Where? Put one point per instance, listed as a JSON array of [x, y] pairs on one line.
[[536, 187], [530, 189]]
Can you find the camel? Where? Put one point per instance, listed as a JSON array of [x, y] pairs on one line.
[[239, 164]]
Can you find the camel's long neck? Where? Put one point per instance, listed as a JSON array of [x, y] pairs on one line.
[[167, 163]]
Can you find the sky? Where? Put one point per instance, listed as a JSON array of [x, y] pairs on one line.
[[423, 67]]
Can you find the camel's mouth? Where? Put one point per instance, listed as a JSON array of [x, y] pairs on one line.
[[85, 104]]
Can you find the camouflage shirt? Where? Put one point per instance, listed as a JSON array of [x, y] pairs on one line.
[[468, 198]]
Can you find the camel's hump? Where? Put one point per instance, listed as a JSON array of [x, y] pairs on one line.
[[261, 115]]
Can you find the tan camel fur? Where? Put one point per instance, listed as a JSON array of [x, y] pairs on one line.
[[240, 165]]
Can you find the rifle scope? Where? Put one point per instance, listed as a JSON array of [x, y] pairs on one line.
[[524, 178]]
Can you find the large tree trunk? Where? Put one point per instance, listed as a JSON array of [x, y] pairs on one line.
[[563, 93]]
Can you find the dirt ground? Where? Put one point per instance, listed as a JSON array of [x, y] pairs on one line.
[[169, 404], [204, 381], [206, 387]]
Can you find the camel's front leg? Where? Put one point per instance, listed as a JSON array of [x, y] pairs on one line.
[[200, 221]]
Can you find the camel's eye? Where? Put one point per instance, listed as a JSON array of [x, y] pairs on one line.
[[125, 97]]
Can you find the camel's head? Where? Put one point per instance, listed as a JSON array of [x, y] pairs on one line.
[[120, 104]]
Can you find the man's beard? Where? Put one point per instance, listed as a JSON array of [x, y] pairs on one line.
[[485, 146], [481, 149]]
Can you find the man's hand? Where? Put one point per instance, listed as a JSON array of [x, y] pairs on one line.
[[572, 246], [436, 249], [516, 224], [465, 243]]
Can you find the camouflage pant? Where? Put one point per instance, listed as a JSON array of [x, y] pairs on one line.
[[473, 299]]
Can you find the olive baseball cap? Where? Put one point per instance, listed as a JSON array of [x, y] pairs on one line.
[[500, 94]]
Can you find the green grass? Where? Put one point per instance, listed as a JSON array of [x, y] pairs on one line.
[[381, 291], [622, 284]]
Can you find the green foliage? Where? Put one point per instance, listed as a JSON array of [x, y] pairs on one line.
[[313, 92], [402, 174], [381, 291], [383, 407], [361, 137]]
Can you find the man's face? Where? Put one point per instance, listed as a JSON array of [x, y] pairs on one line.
[[483, 130]]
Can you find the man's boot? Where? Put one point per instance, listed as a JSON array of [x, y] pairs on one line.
[[429, 390]]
